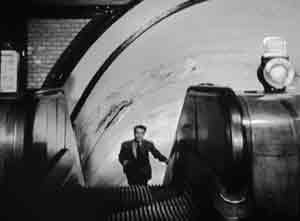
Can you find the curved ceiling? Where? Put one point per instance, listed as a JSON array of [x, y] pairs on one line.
[[217, 42], [80, 2]]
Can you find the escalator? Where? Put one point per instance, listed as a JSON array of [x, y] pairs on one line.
[[234, 157], [151, 203]]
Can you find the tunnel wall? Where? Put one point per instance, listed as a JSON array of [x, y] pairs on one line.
[[138, 71], [47, 39]]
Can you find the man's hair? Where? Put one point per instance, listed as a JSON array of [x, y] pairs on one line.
[[140, 127]]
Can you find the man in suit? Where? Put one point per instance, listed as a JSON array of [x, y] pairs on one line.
[[134, 157]]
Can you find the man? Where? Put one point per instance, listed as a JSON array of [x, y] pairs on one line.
[[134, 157]]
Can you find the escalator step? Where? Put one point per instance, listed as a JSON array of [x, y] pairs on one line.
[[178, 208], [122, 199]]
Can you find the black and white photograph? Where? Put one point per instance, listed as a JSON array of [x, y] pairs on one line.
[[149, 110]]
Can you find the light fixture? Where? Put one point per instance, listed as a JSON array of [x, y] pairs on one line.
[[275, 71], [279, 73]]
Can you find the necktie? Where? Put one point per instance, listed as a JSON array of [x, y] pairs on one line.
[[136, 148]]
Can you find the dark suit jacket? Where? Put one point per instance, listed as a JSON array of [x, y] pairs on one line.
[[139, 166]]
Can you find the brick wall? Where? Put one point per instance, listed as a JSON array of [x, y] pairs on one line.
[[47, 39]]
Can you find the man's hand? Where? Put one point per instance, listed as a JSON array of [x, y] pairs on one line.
[[125, 162], [125, 165]]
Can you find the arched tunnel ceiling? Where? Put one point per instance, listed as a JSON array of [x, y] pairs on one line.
[[216, 41], [80, 2]]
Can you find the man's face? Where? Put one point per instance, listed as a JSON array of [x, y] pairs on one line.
[[139, 134]]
